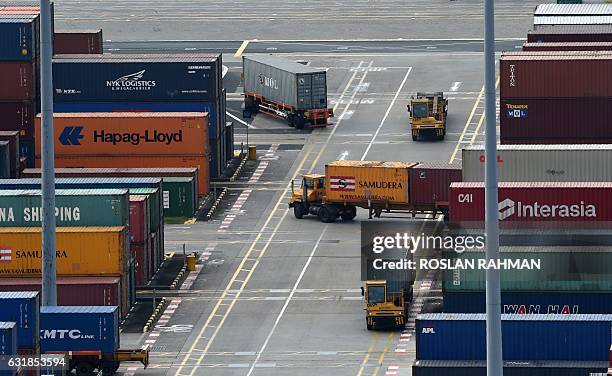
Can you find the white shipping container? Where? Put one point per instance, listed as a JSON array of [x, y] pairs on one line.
[[542, 163]]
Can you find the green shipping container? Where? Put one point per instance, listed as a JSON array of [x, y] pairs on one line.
[[179, 197], [155, 205], [73, 208], [561, 269]]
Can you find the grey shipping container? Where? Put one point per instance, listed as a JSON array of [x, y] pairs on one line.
[[540, 21], [520, 368], [285, 81], [13, 139], [5, 160], [571, 33], [564, 10], [542, 163], [137, 78]]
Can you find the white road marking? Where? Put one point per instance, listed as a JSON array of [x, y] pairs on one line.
[[343, 155], [386, 114], [282, 312], [239, 120], [456, 85]]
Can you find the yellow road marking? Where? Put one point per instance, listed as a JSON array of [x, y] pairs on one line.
[[482, 117], [368, 354], [381, 358], [467, 125], [242, 47]]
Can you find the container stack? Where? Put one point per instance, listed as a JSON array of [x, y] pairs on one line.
[[22, 308], [11, 163], [76, 41], [148, 83]]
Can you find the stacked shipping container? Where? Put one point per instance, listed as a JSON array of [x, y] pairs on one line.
[[77, 41]]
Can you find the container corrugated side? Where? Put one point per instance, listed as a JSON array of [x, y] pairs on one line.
[[98, 328], [73, 207], [571, 33], [531, 163], [568, 46], [18, 81], [138, 218], [522, 368], [23, 309], [8, 338], [81, 251], [181, 195], [524, 337], [5, 160], [430, 182], [555, 203], [18, 116], [77, 42], [353, 181], [155, 206], [19, 41], [13, 138]]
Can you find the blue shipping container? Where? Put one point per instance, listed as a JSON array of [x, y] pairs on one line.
[[83, 183], [137, 78], [211, 107], [443, 336], [526, 302], [8, 338], [522, 368], [27, 151], [18, 41], [67, 328], [23, 309]]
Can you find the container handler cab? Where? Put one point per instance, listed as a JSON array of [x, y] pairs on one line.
[[310, 199], [387, 303], [428, 116]]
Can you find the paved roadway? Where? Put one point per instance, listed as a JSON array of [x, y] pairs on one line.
[[297, 20], [280, 296]]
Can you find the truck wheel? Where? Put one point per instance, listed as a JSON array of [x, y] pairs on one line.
[[255, 107], [327, 214], [298, 212], [349, 213], [370, 327], [109, 368], [291, 120], [84, 369], [415, 138]]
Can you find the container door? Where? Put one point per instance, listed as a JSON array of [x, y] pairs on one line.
[[304, 84], [319, 90]]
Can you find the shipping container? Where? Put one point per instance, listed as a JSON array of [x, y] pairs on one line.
[[23, 309], [524, 337], [571, 33], [19, 38], [77, 41], [541, 163], [520, 368], [135, 78], [83, 183], [360, 181], [98, 329], [27, 152], [140, 254], [284, 81], [564, 10], [73, 207], [179, 197], [135, 134], [18, 81], [5, 160], [76, 291], [211, 108], [201, 163], [8, 338], [571, 75], [555, 121], [139, 218], [525, 204], [15, 155], [568, 46], [430, 182], [18, 116], [545, 21], [81, 251], [155, 206]]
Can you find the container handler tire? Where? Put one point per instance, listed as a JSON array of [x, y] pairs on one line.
[[415, 138], [349, 213], [370, 327], [298, 212], [327, 214], [291, 120], [84, 369], [109, 368], [300, 122]]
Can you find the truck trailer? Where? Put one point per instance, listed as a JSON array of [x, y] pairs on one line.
[[377, 186], [285, 89]]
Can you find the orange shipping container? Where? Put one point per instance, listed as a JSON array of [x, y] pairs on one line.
[[132, 161], [143, 133], [81, 251], [358, 181]]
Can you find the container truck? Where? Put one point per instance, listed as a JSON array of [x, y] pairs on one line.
[[376, 186], [88, 337], [285, 89]]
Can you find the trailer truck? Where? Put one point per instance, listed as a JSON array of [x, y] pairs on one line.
[[377, 186], [285, 89]]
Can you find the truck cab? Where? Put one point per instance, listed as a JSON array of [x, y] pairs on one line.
[[428, 116], [310, 199], [384, 308]]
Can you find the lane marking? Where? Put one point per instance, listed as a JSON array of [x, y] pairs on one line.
[[287, 301], [381, 358], [467, 125], [367, 356], [239, 119], [397, 93], [242, 47], [456, 85], [482, 117]]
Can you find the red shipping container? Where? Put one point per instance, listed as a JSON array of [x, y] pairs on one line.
[[430, 182], [18, 116], [75, 291], [150, 258], [139, 221], [568, 46], [18, 81], [547, 75], [571, 33], [141, 267], [536, 203], [555, 121], [77, 42]]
